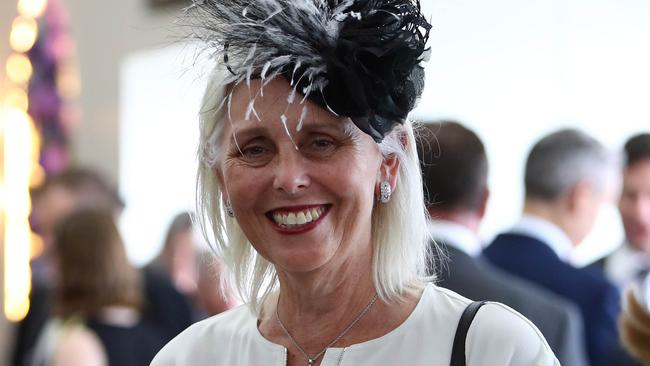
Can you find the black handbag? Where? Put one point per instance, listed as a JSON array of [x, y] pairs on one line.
[[458, 350]]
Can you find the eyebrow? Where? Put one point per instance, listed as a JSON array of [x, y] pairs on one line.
[[256, 130], [246, 132], [313, 127]]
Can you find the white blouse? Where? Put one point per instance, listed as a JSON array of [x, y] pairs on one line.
[[498, 336]]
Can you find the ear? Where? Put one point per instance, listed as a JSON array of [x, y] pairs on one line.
[[389, 170], [579, 197], [482, 207]]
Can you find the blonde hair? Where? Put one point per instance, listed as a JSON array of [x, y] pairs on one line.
[[401, 240]]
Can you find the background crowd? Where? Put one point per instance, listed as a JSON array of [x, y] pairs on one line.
[[84, 281], [87, 295], [529, 267], [587, 314]]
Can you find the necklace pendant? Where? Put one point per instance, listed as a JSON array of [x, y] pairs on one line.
[[311, 362]]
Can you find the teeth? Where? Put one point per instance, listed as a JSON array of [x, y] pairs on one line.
[[298, 218], [291, 218]]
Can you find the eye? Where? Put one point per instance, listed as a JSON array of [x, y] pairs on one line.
[[253, 151], [256, 152], [319, 145], [322, 143]]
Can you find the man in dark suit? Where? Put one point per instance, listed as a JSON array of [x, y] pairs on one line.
[[566, 181], [454, 167]]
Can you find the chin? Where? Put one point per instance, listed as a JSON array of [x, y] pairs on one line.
[[304, 262]]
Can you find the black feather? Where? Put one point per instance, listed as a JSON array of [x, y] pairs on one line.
[[358, 58]]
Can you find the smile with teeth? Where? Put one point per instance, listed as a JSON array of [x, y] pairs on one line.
[[298, 218]]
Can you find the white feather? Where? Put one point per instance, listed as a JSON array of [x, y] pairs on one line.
[[251, 52], [276, 12], [283, 118], [249, 72], [292, 96], [295, 68], [303, 114], [250, 109], [265, 69], [229, 105]]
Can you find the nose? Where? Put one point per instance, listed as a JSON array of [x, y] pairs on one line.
[[291, 172]]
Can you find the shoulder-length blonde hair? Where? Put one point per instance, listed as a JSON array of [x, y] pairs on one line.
[[93, 268], [401, 240]]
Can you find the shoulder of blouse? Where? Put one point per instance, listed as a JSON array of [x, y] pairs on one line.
[[500, 335], [204, 335]]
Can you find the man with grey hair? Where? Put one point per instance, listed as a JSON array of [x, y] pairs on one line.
[[566, 182], [455, 181]]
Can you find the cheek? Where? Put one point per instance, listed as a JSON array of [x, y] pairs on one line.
[[242, 182], [359, 193], [357, 182], [645, 208]]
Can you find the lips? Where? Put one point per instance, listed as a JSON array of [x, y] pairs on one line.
[[297, 217]]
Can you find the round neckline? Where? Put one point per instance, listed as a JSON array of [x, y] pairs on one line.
[[392, 333]]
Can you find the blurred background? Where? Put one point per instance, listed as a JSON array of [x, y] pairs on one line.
[[107, 85]]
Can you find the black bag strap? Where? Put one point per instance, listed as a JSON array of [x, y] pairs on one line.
[[458, 351]]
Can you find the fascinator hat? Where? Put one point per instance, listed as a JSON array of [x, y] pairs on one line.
[[356, 58]]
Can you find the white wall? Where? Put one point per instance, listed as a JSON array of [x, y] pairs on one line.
[[105, 32], [159, 103], [515, 70]]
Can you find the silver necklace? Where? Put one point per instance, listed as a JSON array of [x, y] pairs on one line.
[[312, 360]]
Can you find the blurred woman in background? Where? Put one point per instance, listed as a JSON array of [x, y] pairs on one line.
[[193, 272], [99, 292]]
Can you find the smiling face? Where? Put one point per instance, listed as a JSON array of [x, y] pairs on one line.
[[634, 204], [303, 196]]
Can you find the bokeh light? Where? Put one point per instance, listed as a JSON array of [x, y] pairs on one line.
[[19, 68], [23, 34], [19, 140], [16, 98], [32, 8], [36, 246]]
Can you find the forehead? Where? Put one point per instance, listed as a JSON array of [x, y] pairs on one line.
[[268, 108]]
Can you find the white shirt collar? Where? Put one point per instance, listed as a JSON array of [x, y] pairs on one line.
[[624, 264], [456, 235], [546, 232]]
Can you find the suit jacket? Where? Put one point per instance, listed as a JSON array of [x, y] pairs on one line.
[[597, 298], [557, 319]]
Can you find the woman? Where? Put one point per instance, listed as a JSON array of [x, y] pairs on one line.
[[98, 292], [178, 255], [310, 182], [195, 274]]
